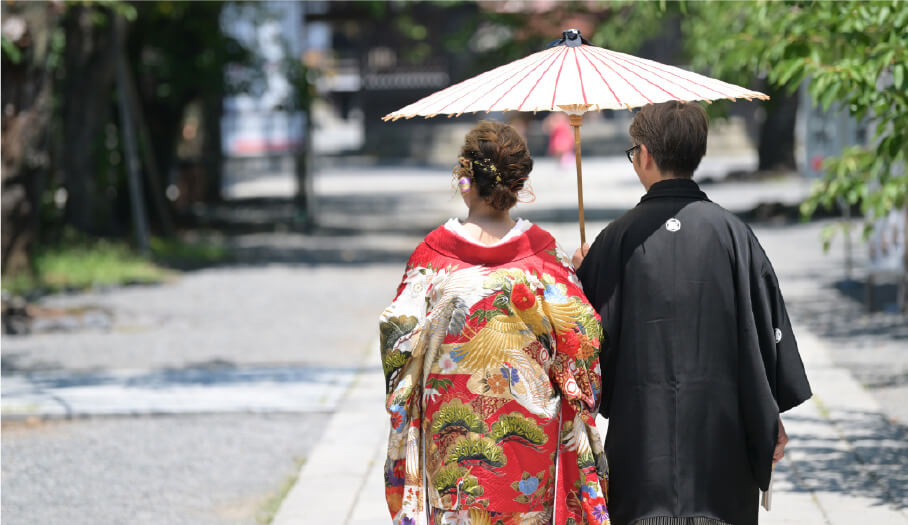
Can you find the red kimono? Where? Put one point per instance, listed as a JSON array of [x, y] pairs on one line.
[[491, 356]]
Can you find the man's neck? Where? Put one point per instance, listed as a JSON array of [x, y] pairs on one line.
[[661, 176]]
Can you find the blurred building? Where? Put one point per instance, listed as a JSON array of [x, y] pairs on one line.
[[264, 132], [381, 58]]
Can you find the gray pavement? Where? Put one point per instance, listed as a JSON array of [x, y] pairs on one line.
[[845, 462], [241, 367], [206, 469], [848, 456]]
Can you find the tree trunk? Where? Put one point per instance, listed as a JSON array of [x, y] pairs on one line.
[[27, 92], [777, 134], [212, 152], [86, 95]]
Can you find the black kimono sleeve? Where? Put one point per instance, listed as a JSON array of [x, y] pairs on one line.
[[772, 377], [782, 360], [600, 274]]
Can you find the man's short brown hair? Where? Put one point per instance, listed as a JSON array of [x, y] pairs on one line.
[[674, 133]]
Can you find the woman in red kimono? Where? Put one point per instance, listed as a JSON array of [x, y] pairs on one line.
[[491, 357]]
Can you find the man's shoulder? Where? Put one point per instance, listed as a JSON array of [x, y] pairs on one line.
[[705, 209], [715, 213]]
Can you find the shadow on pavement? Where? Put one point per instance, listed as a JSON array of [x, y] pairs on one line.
[[192, 375], [875, 466], [264, 252], [569, 214], [840, 312]]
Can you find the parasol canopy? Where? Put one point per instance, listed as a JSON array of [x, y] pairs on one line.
[[573, 76], [569, 75]]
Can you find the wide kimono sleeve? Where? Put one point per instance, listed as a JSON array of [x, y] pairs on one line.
[[772, 377], [575, 371], [779, 348], [400, 326], [601, 275]]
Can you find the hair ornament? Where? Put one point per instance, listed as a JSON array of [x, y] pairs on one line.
[[489, 168]]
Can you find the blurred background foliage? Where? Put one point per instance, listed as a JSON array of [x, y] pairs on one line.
[[64, 167]]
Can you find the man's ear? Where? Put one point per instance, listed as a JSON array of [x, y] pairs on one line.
[[645, 157]]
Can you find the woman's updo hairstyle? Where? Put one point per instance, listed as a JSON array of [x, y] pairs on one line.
[[496, 158]]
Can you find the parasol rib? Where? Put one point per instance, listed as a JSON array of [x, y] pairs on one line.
[[672, 82], [554, 58], [609, 86], [537, 82], [650, 82], [604, 63], [650, 64], [458, 91], [472, 89], [630, 82], [580, 76], [557, 78]]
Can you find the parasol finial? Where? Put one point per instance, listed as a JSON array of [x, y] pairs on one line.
[[569, 38], [572, 37]]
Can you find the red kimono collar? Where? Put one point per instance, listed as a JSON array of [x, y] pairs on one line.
[[526, 245]]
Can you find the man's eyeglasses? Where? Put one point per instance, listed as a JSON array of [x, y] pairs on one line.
[[630, 153]]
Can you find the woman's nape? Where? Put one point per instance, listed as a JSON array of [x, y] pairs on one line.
[[485, 223], [497, 162]]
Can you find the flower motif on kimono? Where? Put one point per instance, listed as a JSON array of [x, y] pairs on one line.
[[448, 362], [600, 513], [417, 280], [567, 342], [456, 517], [510, 375], [497, 345], [496, 384], [587, 348], [531, 488], [589, 491], [555, 293], [398, 417], [394, 477], [522, 297], [533, 282]]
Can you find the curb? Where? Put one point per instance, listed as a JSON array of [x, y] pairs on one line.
[[342, 481]]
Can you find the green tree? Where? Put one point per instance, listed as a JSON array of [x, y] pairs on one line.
[[60, 125], [854, 53], [181, 54], [31, 48]]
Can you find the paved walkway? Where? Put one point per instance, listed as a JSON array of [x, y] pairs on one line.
[[180, 391], [213, 343], [842, 465], [845, 463]]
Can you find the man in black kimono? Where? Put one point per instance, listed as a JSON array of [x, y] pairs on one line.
[[699, 358]]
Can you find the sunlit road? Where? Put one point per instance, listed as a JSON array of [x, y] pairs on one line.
[[197, 398]]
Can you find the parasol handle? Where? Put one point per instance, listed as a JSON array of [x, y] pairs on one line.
[[576, 122]]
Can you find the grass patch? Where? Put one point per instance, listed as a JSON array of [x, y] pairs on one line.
[[269, 509], [79, 262], [188, 254], [84, 265]]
